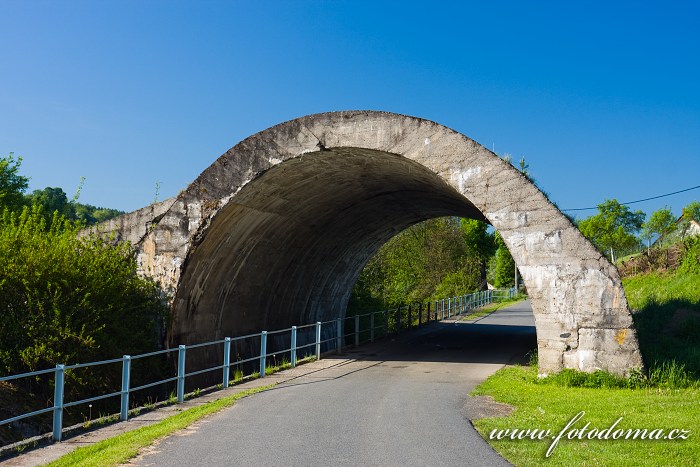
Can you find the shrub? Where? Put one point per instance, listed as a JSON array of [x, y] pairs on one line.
[[66, 299]]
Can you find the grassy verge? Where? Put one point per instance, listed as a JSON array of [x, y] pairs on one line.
[[117, 450], [547, 405]]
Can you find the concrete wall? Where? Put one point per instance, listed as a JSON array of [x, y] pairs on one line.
[[277, 229]]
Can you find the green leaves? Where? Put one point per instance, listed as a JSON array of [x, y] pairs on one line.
[[439, 257], [660, 223], [12, 185], [613, 228], [65, 299]]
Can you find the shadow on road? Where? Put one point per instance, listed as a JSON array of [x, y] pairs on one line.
[[454, 343]]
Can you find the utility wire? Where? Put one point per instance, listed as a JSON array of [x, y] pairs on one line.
[[639, 200]]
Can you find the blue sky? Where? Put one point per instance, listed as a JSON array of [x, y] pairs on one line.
[[601, 98]]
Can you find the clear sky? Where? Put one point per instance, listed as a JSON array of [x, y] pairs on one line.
[[601, 98]]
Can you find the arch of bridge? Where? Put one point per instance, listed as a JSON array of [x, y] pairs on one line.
[[276, 231]]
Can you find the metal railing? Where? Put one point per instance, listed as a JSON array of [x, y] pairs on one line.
[[390, 321]]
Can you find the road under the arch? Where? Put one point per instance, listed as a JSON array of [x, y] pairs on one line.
[[399, 402]]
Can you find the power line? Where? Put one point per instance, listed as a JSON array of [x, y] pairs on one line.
[[639, 200]]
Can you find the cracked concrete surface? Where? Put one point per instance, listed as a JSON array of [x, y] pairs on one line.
[[277, 229]]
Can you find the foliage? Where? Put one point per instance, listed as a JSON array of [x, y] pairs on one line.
[[12, 185], [690, 264], [613, 228], [65, 298], [439, 257], [503, 265], [53, 200], [661, 223], [692, 211]]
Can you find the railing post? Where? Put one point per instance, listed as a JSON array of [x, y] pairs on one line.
[[293, 357], [449, 307], [357, 330], [427, 321], [318, 340], [371, 326], [420, 314], [339, 335], [181, 373], [126, 381], [58, 402], [227, 362], [263, 353]]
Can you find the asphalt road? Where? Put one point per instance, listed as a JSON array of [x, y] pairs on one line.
[[401, 402]]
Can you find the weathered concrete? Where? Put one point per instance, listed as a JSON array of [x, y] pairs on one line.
[[276, 231]]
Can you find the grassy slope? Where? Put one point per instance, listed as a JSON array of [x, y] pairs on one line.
[[667, 317], [648, 289]]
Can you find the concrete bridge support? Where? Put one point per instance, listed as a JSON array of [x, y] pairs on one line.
[[277, 229]]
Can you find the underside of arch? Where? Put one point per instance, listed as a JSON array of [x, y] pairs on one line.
[[289, 247], [277, 230]]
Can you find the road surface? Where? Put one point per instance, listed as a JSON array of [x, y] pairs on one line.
[[401, 402]]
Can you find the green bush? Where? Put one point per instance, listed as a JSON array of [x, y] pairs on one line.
[[68, 299], [690, 264]]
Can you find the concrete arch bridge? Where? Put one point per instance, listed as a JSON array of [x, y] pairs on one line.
[[276, 231]]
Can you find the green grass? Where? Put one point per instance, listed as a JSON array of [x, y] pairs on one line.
[[667, 320], [542, 404], [117, 450], [655, 288]]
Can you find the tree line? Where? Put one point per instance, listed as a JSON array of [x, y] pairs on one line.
[[13, 186], [617, 231]]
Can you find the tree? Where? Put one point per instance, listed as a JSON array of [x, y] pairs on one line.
[[660, 223], [692, 211], [503, 265], [12, 185], [52, 199], [613, 228], [436, 258]]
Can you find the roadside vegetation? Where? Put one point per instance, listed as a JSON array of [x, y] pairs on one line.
[[65, 298]]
